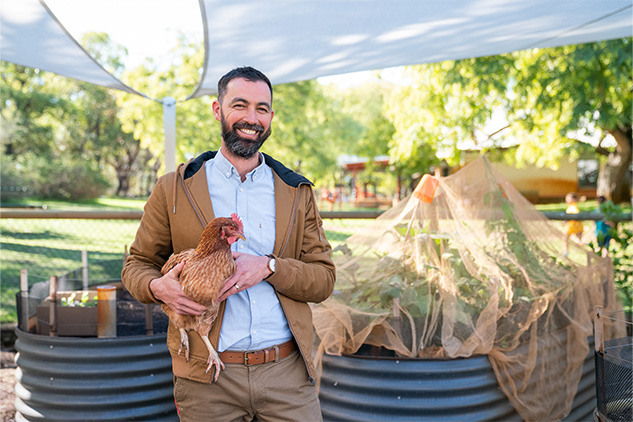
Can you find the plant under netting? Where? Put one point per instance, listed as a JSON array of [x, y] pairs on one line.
[[471, 268]]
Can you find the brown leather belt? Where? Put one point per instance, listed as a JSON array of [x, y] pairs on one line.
[[272, 354]]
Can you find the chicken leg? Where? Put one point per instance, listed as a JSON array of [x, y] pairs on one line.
[[214, 358], [184, 342]]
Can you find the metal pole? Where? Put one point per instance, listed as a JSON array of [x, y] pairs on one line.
[[169, 123]]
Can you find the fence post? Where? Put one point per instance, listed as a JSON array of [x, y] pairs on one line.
[[24, 299], [52, 316], [598, 328], [84, 268]]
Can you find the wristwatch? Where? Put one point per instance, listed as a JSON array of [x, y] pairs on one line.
[[271, 263]]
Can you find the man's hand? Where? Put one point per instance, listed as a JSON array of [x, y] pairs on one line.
[[167, 290], [251, 269]]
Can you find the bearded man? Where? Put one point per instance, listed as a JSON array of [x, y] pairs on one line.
[[264, 328]]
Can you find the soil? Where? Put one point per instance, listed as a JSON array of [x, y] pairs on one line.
[[7, 385]]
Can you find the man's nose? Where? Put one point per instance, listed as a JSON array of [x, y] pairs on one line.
[[250, 116]]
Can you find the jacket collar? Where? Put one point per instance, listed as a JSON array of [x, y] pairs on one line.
[[288, 176]]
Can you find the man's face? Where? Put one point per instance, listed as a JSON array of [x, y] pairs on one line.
[[245, 114]]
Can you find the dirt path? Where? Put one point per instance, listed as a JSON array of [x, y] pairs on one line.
[[7, 384]]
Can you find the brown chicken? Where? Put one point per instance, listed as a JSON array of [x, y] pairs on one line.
[[206, 269]]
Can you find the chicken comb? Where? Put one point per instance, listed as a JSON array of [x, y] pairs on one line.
[[238, 221]]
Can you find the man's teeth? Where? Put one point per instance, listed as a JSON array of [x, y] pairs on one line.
[[249, 131]]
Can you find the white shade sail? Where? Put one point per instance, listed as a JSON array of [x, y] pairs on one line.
[[292, 40], [31, 36]]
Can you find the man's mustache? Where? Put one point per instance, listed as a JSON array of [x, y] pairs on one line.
[[249, 126]]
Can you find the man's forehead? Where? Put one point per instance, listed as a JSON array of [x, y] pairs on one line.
[[243, 88]]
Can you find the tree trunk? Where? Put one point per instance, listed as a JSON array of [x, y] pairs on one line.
[[614, 181]]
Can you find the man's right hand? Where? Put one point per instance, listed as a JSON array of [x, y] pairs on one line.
[[167, 290]]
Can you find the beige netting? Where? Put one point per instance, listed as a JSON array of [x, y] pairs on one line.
[[477, 271]]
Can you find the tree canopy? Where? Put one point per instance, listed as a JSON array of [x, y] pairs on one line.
[[544, 101]]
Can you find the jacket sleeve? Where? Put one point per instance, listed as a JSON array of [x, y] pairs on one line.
[[309, 275], [151, 247]]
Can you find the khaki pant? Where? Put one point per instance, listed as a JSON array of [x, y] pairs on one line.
[[275, 392]]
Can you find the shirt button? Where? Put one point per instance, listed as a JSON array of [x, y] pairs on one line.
[[241, 189], [228, 173]]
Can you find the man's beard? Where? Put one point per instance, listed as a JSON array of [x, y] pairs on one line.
[[239, 146]]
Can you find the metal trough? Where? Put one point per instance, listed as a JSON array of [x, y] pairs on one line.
[[93, 379]]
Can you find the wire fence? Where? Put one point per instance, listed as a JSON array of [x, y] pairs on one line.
[[73, 245], [83, 244]]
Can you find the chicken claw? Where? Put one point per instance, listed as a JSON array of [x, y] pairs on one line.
[[184, 341], [213, 360]]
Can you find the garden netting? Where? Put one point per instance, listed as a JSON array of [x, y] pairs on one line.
[[467, 266]]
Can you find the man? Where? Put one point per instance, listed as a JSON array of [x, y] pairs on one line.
[[284, 263]]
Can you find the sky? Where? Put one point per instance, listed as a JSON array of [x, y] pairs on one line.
[[148, 28]]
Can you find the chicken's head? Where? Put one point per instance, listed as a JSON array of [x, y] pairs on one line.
[[233, 229]]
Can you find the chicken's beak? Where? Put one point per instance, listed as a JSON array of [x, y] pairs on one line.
[[241, 236]]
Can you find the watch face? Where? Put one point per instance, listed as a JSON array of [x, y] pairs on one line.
[[271, 264]]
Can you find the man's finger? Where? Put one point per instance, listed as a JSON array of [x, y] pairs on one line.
[[177, 269], [228, 285]]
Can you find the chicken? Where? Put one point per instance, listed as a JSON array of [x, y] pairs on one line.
[[206, 269]]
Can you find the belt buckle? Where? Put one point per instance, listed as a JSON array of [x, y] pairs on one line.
[[246, 358]]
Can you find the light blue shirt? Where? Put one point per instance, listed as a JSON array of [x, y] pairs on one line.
[[253, 318]]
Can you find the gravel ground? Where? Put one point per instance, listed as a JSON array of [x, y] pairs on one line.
[[7, 384]]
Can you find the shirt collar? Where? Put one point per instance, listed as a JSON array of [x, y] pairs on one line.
[[227, 169]]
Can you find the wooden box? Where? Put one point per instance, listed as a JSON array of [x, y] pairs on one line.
[[72, 321]]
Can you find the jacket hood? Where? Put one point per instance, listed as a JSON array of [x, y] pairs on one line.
[[288, 176]]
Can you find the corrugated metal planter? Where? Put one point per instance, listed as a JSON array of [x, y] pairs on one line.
[[360, 388], [93, 379]]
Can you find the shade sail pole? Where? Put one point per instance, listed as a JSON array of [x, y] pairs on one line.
[[169, 123]]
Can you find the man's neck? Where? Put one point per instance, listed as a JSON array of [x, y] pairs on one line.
[[242, 165]]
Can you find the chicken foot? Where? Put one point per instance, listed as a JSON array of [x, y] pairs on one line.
[[184, 342], [214, 359]]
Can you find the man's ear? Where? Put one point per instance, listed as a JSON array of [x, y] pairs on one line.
[[216, 110]]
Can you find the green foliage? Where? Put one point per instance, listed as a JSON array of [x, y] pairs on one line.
[[622, 256], [60, 131], [620, 250], [84, 301], [301, 130], [61, 177], [542, 99]]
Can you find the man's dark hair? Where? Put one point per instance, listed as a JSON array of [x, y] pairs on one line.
[[246, 72]]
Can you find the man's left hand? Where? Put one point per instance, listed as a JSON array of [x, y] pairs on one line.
[[251, 269]]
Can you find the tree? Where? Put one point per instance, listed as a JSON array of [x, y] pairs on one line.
[[547, 97], [302, 133], [60, 127], [581, 89]]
